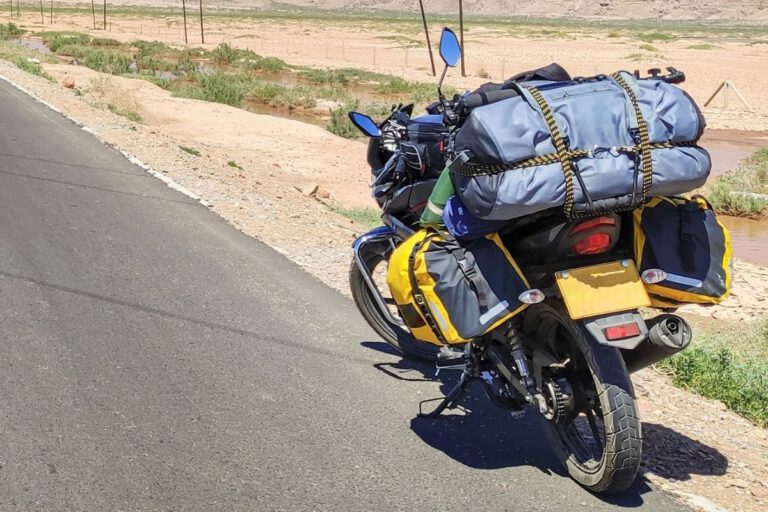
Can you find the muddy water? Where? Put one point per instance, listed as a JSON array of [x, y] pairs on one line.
[[727, 149], [749, 238]]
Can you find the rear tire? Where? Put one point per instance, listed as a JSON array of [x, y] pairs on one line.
[[396, 335], [605, 406]]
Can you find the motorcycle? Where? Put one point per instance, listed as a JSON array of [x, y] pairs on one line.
[[569, 355]]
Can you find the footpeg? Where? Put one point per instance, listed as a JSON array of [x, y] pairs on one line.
[[449, 359]]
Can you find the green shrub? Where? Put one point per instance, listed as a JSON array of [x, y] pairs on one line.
[[730, 366], [56, 40], [368, 217], [10, 31], [734, 193], [33, 68], [703, 46], [104, 41], [339, 123], [191, 151], [657, 36], [648, 48]]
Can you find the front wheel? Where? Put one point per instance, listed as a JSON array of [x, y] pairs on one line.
[[599, 438], [397, 334]]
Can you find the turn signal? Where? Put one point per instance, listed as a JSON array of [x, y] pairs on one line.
[[533, 296], [622, 332], [654, 275]]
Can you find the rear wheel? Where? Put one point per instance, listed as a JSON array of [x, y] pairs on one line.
[[599, 438], [396, 333]]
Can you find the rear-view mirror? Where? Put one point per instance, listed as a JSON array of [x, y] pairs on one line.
[[365, 124], [450, 49]]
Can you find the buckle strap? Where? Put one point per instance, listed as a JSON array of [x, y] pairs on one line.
[[561, 150], [644, 142], [469, 169]]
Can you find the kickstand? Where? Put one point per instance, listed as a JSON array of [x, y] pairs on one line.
[[451, 399]]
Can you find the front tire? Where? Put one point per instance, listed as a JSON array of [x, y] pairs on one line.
[[600, 442], [396, 335]]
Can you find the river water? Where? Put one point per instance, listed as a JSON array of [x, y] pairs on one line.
[[727, 149]]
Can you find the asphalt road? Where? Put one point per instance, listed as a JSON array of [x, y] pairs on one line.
[[152, 357]]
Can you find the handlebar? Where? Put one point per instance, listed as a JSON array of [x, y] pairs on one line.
[[485, 98]]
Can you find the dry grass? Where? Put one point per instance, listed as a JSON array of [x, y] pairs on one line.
[[106, 93]]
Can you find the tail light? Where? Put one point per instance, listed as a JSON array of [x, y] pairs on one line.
[[592, 236], [593, 244], [622, 332], [592, 223]]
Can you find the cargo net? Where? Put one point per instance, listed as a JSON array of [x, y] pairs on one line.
[[565, 157]]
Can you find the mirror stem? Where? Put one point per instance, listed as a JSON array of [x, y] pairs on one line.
[[440, 85]]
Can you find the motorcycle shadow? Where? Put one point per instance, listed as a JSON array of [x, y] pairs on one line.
[[674, 456], [480, 435]]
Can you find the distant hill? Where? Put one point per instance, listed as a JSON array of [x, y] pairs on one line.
[[740, 10]]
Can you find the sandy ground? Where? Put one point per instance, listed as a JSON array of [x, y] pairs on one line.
[[695, 446], [493, 52]]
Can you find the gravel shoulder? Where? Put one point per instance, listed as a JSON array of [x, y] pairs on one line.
[[291, 172]]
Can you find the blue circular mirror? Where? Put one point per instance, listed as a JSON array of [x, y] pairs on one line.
[[450, 49], [365, 124]]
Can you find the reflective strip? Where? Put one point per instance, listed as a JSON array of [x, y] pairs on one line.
[[493, 312], [432, 207], [686, 281], [438, 316]]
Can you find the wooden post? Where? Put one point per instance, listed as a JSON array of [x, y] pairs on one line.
[[18, 8], [42, 16], [461, 35], [105, 14], [202, 30], [728, 87], [426, 33], [51, 12], [184, 10], [93, 12]]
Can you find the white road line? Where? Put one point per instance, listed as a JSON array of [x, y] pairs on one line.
[[170, 183]]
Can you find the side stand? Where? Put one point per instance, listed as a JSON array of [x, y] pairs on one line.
[[451, 399]]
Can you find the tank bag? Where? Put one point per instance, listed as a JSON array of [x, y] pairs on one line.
[[448, 292], [684, 238]]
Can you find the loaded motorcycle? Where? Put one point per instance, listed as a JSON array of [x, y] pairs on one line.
[[570, 353]]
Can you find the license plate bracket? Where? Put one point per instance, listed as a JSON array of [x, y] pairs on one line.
[[602, 289]]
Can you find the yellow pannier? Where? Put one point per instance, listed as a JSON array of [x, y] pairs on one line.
[[684, 238], [450, 293]]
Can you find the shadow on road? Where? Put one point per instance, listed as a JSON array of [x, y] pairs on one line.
[[480, 435], [670, 454]]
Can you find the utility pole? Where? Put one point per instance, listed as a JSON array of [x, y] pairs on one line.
[[93, 12], [42, 16], [184, 10], [105, 14], [426, 33], [51, 12], [202, 30]]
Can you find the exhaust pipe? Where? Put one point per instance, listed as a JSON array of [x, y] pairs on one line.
[[667, 335]]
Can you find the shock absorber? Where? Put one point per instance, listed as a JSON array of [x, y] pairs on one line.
[[517, 350]]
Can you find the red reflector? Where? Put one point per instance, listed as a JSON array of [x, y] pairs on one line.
[[593, 244], [621, 332], [593, 223]]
